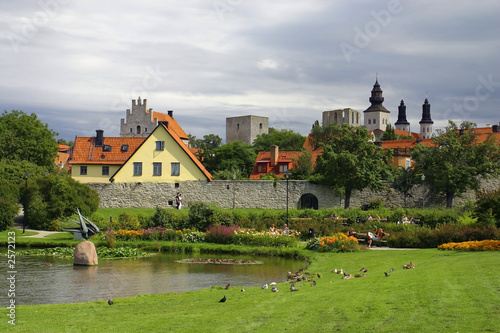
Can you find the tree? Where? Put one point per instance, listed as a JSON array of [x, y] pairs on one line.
[[286, 139], [452, 165], [24, 137], [302, 165], [389, 134], [404, 180], [9, 195], [351, 162], [235, 156]]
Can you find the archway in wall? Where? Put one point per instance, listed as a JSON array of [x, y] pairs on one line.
[[308, 201]]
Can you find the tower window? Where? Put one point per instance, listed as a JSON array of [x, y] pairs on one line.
[[260, 126], [369, 121], [237, 126], [138, 129], [130, 129], [374, 121]]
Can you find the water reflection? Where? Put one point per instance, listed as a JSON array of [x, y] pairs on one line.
[[64, 283]]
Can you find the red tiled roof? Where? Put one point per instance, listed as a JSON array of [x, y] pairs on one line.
[[284, 157], [85, 151], [172, 124], [405, 133]]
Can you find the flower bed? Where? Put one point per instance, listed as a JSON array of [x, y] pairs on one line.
[[219, 261], [338, 242], [485, 245]]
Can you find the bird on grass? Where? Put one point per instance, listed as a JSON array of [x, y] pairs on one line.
[[228, 286], [265, 286], [363, 270], [392, 269], [110, 302], [274, 289], [307, 267], [242, 289], [313, 284], [223, 299], [387, 274], [292, 288], [319, 275]]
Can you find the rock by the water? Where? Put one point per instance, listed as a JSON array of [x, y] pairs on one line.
[[85, 254]]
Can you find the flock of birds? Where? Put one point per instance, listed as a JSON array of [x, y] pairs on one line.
[[302, 275]]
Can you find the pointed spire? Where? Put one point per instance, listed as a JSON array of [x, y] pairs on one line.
[[402, 123], [426, 113]]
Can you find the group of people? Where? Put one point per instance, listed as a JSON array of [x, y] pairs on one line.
[[273, 231], [376, 236], [406, 220]]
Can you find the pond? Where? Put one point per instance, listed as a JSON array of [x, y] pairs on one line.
[[62, 282]]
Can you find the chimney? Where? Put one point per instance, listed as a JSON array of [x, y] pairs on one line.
[[99, 138], [274, 155], [165, 123], [495, 129], [170, 113]]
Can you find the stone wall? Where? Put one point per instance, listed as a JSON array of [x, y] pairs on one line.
[[262, 194]]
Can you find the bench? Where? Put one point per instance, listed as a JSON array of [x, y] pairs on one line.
[[301, 218], [363, 239]]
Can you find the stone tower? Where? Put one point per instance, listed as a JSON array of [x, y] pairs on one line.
[[402, 124], [426, 122], [342, 116], [139, 121], [246, 128], [376, 116]]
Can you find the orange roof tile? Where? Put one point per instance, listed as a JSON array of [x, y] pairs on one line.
[[172, 124], [284, 157], [85, 151]]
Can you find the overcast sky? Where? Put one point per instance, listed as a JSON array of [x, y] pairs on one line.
[[78, 64]]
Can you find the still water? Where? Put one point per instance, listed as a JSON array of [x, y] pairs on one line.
[[62, 282]]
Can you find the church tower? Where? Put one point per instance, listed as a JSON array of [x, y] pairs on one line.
[[376, 116], [426, 122], [402, 124]]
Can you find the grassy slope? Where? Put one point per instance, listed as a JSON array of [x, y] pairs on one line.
[[447, 291]]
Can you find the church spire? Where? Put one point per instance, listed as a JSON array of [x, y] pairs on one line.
[[402, 124], [426, 122], [376, 116]]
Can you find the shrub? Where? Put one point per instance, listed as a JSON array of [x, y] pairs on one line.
[[166, 218], [220, 234], [488, 207], [193, 237], [110, 238], [313, 244], [8, 204], [201, 215], [485, 245], [126, 221], [264, 240], [338, 242]]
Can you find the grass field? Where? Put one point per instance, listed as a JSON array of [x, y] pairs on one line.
[[446, 292]]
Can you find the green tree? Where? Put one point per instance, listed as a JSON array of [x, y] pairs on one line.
[[351, 162], [24, 137], [302, 165], [286, 139], [55, 196], [9, 195], [389, 134], [235, 156], [404, 180], [452, 165]]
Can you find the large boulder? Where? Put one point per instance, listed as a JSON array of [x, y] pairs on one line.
[[85, 254]]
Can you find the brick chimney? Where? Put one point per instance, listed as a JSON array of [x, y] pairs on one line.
[[274, 155]]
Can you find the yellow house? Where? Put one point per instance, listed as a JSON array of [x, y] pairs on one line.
[[162, 157]]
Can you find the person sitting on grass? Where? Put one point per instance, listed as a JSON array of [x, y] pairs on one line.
[[286, 230], [272, 230]]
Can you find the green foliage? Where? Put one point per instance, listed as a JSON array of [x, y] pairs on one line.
[[264, 240], [128, 222], [404, 180], [351, 162], [193, 237], [286, 139], [389, 133], [302, 165], [9, 195], [235, 156], [313, 244], [24, 138], [488, 207], [201, 215], [166, 218], [456, 160], [56, 196]]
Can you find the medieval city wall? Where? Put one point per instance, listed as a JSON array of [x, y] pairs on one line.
[[262, 194]]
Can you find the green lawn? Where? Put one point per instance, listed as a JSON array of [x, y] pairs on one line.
[[445, 292]]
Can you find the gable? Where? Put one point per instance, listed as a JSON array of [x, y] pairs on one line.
[[174, 151]]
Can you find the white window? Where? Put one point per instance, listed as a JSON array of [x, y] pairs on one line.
[[175, 169], [137, 168], [408, 163], [160, 145], [283, 168], [157, 169]]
